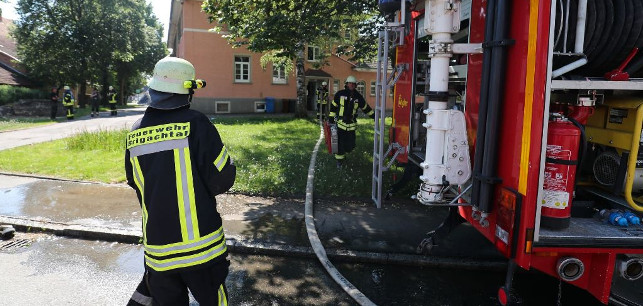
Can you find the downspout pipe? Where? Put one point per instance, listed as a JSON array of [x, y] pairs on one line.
[[495, 100]]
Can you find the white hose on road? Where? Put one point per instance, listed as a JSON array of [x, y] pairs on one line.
[[357, 295]]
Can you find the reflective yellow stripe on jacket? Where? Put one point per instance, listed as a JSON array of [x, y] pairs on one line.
[[222, 159], [140, 184]]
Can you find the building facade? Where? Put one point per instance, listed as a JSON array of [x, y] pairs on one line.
[[236, 82]]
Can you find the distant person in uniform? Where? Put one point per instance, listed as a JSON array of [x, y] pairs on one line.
[[111, 98], [68, 102], [322, 101], [53, 97], [95, 99]]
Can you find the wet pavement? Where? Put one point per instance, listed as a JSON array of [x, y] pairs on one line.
[[253, 223], [51, 270]]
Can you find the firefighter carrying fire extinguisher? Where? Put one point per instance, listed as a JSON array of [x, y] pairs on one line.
[[343, 110]]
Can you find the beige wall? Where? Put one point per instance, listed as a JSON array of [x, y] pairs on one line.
[[213, 59]]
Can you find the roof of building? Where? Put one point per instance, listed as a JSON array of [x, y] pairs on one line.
[[317, 73], [9, 63]]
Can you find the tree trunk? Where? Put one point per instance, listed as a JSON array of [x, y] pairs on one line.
[[82, 98], [301, 111], [121, 91], [103, 91]]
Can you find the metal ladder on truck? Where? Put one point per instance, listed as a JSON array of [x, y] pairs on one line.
[[382, 87]]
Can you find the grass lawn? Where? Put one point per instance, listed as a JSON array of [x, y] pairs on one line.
[[272, 155]]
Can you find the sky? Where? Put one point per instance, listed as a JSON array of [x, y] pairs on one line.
[[161, 10]]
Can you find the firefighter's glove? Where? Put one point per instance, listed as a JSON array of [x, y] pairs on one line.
[[331, 120]]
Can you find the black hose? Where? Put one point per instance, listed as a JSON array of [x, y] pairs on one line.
[[634, 66], [495, 98], [484, 102], [582, 145], [613, 28]]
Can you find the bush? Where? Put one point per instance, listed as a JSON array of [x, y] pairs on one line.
[[11, 94]]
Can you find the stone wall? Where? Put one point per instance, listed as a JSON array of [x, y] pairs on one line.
[[30, 108]]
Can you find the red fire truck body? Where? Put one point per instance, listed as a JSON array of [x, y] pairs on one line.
[[585, 251]]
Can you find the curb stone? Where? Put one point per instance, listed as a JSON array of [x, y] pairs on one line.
[[240, 246]]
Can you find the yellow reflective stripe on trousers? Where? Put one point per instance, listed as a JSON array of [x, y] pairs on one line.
[[185, 194], [346, 126], [222, 159], [186, 261], [223, 299], [139, 180], [184, 247]]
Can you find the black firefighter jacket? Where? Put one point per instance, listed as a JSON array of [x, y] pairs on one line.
[[344, 107], [177, 163]]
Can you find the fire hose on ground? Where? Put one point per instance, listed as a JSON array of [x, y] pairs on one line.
[[357, 295]]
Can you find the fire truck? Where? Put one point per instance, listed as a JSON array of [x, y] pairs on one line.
[[522, 118]]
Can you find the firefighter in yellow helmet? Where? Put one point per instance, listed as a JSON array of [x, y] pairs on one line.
[[322, 101], [68, 102], [111, 99], [177, 163], [343, 111]]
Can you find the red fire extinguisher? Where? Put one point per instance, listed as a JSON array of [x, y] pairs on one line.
[[563, 138]]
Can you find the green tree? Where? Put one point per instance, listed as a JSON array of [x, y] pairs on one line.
[[80, 41], [283, 28]]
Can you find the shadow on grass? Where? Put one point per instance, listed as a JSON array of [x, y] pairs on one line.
[[275, 158]]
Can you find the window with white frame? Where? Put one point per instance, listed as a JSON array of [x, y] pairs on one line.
[[373, 88], [313, 53], [361, 87], [241, 69], [335, 85], [260, 106], [279, 74], [222, 107]]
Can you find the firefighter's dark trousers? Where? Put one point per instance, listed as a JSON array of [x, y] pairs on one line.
[[54, 110], [112, 107], [345, 143], [207, 286], [322, 110], [70, 112], [95, 105]]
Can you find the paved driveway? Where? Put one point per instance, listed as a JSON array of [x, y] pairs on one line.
[[125, 119]]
